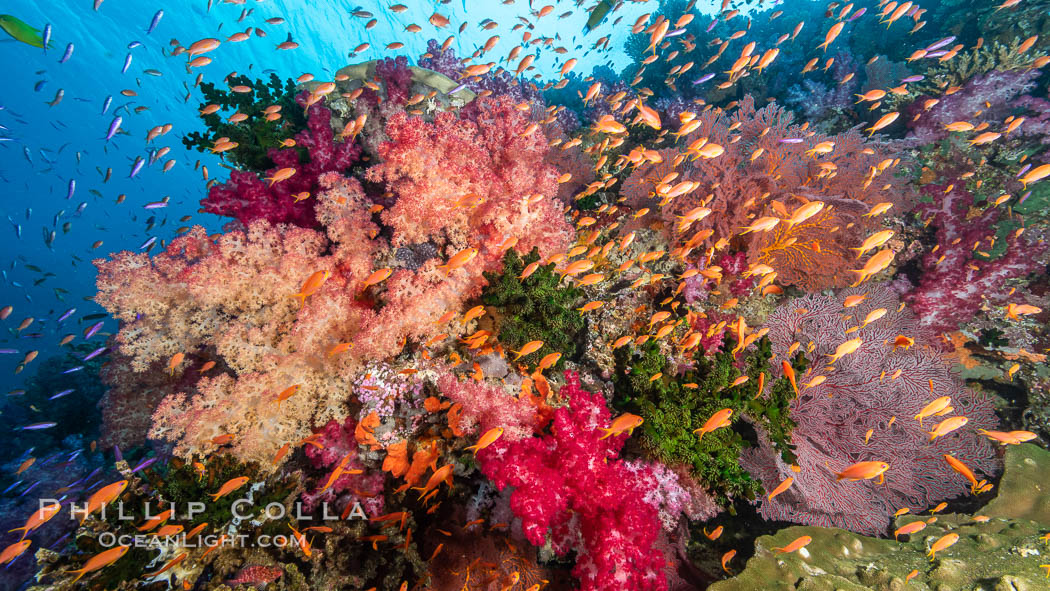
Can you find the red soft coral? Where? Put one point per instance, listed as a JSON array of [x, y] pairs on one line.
[[571, 487], [248, 198]]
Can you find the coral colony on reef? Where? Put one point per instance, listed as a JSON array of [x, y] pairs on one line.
[[504, 324]]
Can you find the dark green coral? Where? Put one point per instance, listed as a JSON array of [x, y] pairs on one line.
[[672, 411], [536, 308], [255, 135]]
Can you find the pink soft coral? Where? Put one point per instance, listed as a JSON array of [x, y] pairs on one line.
[[766, 171], [571, 487]]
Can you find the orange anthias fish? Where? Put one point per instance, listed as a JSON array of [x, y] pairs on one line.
[[486, 440], [625, 422], [100, 560], [796, 544], [864, 471], [312, 284], [103, 497], [230, 486], [14, 551], [964, 470], [717, 420], [783, 486], [933, 408], [1009, 437], [947, 426], [909, 528], [39, 518], [944, 542]]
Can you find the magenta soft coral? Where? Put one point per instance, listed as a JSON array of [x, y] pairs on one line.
[[953, 283], [572, 487], [248, 198], [338, 441]]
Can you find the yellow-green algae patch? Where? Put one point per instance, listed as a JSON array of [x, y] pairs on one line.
[[1000, 554]]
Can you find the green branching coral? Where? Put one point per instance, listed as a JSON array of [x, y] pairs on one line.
[[536, 308], [675, 405], [255, 135], [966, 65]]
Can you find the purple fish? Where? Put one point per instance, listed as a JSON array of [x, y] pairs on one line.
[[68, 54], [95, 353], [12, 487], [127, 64], [675, 33], [47, 36], [1024, 170], [156, 20], [72, 188], [148, 243], [8, 351], [62, 393], [1023, 197], [704, 78], [17, 393], [144, 464], [914, 78], [73, 369], [65, 535], [711, 26], [156, 205], [137, 166], [66, 314], [114, 126], [941, 43], [858, 14], [937, 53], [31, 487], [457, 89], [792, 140], [94, 329], [117, 456], [38, 426], [106, 103]]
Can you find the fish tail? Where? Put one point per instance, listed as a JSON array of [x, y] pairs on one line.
[[608, 432]]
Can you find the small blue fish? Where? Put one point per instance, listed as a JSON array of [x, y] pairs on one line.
[[8, 351], [127, 64], [915, 78], [62, 393], [156, 205], [704, 78], [37, 426], [73, 369], [114, 127], [94, 329], [940, 43], [31, 487], [95, 353], [148, 243], [134, 44], [68, 54], [137, 166], [72, 188], [106, 103], [12, 487], [67, 314], [144, 464], [156, 21]]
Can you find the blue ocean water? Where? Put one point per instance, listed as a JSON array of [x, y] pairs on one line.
[[46, 148]]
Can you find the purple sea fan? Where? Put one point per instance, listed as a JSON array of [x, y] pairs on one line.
[[879, 387]]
